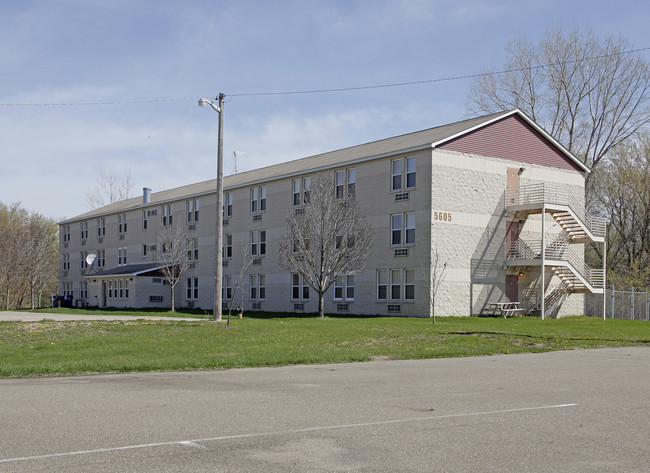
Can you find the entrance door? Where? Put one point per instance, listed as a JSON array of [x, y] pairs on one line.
[[512, 185], [512, 288]]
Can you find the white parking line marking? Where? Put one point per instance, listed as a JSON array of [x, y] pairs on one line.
[[194, 443]]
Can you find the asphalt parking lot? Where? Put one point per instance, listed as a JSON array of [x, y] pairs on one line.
[[573, 411]]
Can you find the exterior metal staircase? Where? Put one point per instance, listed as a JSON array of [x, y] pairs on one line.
[[577, 227], [552, 301]]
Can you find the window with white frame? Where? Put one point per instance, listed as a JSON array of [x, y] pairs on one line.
[[306, 184], [110, 289], [121, 223], [193, 249], [396, 285], [192, 210], [83, 289], [65, 233], [344, 288], [84, 230], [254, 199], [101, 258], [257, 287], [66, 261], [399, 179], [258, 199], [226, 288], [167, 214], [402, 229], [121, 256], [299, 288], [339, 184], [227, 204], [145, 219], [352, 182], [126, 288], [227, 245], [345, 182], [144, 251], [295, 186], [382, 284], [82, 259], [258, 242], [101, 227], [192, 288], [121, 283]]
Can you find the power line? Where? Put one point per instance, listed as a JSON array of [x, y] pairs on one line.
[[334, 90]]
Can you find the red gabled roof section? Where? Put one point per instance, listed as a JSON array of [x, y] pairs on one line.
[[514, 138]]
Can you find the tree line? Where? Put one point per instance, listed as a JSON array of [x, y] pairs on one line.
[[29, 258], [592, 94]]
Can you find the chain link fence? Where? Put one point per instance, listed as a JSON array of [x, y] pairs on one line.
[[632, 304]]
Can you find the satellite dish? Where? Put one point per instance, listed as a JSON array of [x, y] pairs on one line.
[[90, 259]]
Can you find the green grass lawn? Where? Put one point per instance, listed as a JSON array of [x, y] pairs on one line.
[[49, 347]]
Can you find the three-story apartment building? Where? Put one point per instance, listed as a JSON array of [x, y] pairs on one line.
[[498, 200]]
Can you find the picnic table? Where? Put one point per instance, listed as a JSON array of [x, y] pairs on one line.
[[503, 308]]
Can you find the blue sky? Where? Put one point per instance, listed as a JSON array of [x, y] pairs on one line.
[[168, 53]]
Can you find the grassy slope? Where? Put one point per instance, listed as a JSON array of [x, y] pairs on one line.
[[48, 347]]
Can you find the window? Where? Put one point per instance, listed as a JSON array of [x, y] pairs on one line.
[[254, 198], [121, 281], [352, 182], [126, 288], [167, 211], [410, 172], [344, 288], [101, 258], [226, 288], [409, 228], [101, 227], [306, 184], [396, 229], [192, 210], [192, 288], [395, 284], [121, 223], [262, 198], [296, 191], [258, 199], [83, 290], [345, 179], [262, 286], [299, 290], [409, 284], [145, 219], [66, 261], [144, 251], [396, 183], [258, 243], [227, 205], [382, 284], [121, 256], [84, 230], [401, 283], [253, 286], [227, 245], [110, 288], [193, 249], [407, 233], [65, 232], [398, 180], [339, 184], [82, 259]]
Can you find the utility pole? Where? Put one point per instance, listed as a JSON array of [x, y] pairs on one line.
[[218, 273]]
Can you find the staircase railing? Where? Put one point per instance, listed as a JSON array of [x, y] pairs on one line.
[[553, 194], [556, 250]]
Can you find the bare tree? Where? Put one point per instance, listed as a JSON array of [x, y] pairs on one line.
[[588, 92], [622, 196], [247, 260], [174, 255], [28, 255], [433, 276], [111, 186], [327, 237]]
